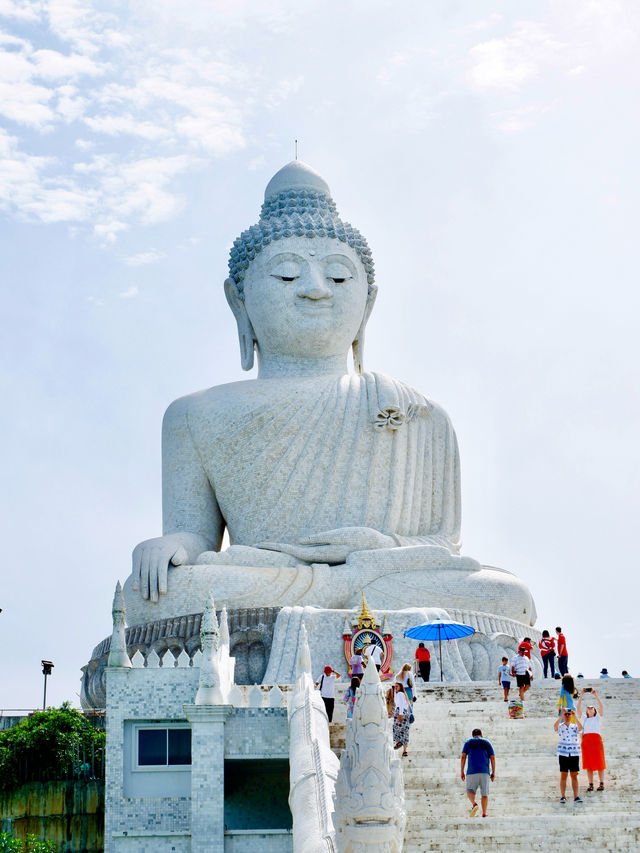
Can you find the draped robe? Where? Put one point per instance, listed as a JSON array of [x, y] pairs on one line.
[[279, 459]]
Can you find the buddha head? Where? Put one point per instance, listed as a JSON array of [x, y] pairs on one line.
[[300, 281]]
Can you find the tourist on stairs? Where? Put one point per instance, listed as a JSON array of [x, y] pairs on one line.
[[423, 656], [521, 668], [547, 647], [401, 714], [563, 654], [504, 677], [592, 746], [567, 694], [327, 685], [350, 696], [478, 753], [407, 681], [568, 753]]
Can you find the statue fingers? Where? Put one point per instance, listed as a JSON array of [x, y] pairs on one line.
[[163, 572], [180, 557], [326, 537], [293, 549], [154, 564], [273, 546], [351, 537], [332, 554], [318, 553], [144, 573], [135, 569]]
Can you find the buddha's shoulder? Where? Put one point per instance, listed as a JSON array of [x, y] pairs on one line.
[[235, 397], [435, 410]]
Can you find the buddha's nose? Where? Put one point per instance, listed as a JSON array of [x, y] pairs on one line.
[[312, 285]]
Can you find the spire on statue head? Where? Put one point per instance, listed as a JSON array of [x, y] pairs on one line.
[[297, 203]]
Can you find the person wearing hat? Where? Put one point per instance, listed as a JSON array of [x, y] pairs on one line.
[[568, 753], [327, 685], [592, 746], [604, 672]]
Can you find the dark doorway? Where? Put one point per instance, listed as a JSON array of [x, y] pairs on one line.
[[256, 794]]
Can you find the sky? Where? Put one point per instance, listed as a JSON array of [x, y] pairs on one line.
[[488, 152]]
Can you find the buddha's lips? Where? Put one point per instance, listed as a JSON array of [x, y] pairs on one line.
[[312, 308]]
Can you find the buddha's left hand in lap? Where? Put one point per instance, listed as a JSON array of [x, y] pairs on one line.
[[332, 546]]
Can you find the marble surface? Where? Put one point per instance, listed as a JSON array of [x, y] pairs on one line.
[[326, 481], [370, 811]]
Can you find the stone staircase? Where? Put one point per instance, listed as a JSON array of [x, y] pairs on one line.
[[524, 809]]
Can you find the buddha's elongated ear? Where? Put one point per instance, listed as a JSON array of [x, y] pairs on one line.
[[358, 345], [246, 334]]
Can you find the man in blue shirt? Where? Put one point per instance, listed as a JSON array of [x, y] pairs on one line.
[[478, 755]]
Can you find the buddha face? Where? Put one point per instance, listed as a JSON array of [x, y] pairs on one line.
[[305, 298]]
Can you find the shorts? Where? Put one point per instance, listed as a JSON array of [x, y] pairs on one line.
[[478, 779], [523, 680], [569, 763], [506, 685]]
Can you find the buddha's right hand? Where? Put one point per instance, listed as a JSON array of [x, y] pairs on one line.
[[152, 558]]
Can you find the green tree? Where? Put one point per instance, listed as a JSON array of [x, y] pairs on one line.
[[49, 745], [9, 844]]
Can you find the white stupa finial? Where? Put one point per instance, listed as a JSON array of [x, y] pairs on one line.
[[224, 627], [209, 692], [303, 659], [118, 652]]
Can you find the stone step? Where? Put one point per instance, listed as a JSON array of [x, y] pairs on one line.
[[524, 810]]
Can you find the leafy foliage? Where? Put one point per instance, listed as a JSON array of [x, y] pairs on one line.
[[55, 744], [9, 844]]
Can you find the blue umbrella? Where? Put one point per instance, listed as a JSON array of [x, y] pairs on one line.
[[439, 629]]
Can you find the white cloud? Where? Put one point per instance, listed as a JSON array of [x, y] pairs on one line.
[[52, 64], [256, 162], [487, 23], [22, 10], [141, 86], [507, 64], [69, 105], [80, 23], [113, 125], [522, 118], [26, 104], [57, 204], [283, 90], [143, 258], [107, 232], [129, 293]]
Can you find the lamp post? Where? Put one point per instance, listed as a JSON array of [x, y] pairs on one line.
[[47, 666]]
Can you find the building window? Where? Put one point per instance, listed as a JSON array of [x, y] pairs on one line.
[[164, 746]]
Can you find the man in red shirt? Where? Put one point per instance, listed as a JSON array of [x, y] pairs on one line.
[[563, 654], [424, 662], [526, 645]]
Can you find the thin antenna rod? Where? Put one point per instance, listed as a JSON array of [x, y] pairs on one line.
[[296, 142]]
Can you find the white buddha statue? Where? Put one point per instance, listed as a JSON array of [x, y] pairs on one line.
[[327, 481]]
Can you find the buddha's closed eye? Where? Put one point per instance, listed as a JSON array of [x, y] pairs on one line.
[[338, 273], [286, 271]]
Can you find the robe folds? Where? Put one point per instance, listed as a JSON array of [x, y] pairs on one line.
[[285, 458]]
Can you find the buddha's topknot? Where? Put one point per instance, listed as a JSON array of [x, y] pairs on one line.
[[296, 211]]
